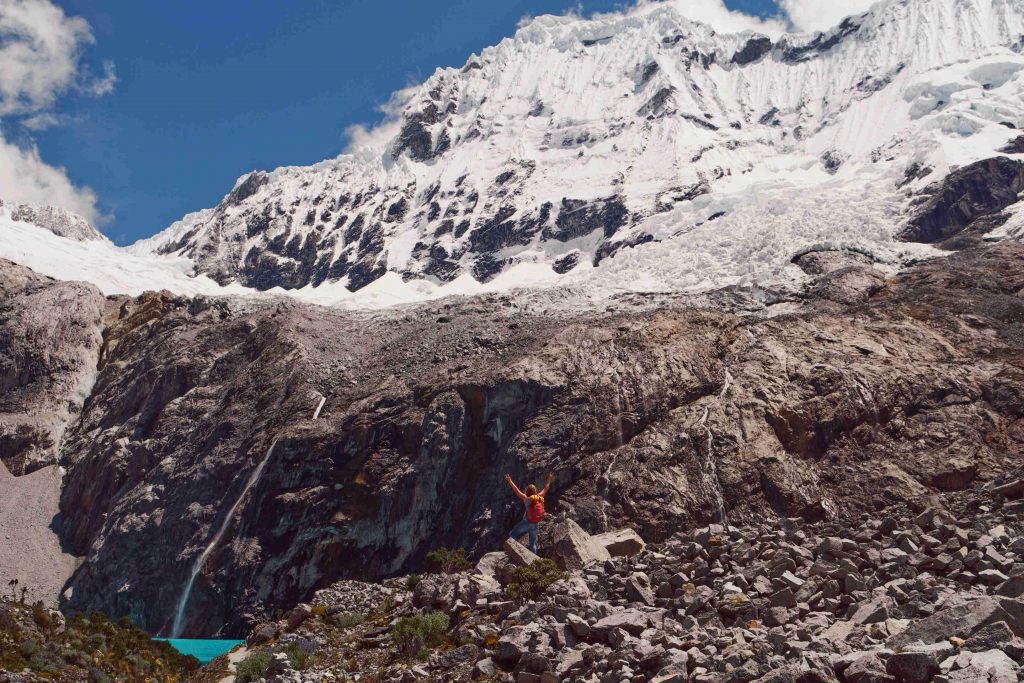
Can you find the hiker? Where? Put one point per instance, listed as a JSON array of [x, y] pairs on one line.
[[534, 503]]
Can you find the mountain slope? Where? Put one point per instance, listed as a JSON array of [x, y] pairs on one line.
[[372, 438], [576, 138]]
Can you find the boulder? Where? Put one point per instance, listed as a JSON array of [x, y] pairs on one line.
[[990, 637], [518, 641], [1013, 588], [636, 591], [913, 667], [868, 668], [874, 611], [489, 563], [485, 668], [263, 633], [518, 554], [573, 548], [298, 615], [632, 621], [963, 620], [621, 543]]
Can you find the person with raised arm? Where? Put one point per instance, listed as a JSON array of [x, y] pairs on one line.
[[533, 513]]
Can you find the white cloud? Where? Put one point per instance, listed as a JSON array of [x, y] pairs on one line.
[[26, 178], [820, 15], [373, 141], [40, 121], [40, 60], [714, 13]]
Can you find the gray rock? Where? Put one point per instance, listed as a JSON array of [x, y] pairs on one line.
[[913, 667], [638, 592], [518, 554], [517, 641], [990, 637], [298, 615], [632, 621], [573, 548], [263, 633], [867, 668], [485, 668], [963, 620], [50, 338], [1012, 588], [621, 543]]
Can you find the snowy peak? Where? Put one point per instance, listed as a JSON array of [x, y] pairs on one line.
[[60, 222], [633, 150]]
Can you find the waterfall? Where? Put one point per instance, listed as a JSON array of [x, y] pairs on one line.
[[197, 566], [709, 473], [179, 616], [607, 486]]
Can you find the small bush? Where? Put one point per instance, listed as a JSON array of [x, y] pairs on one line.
[[448, 561], [384, 608], [347, 620], [319, 610], [416, 632], [252, 667], [412, 581], [529, 583], [299, 657], [41, 616]]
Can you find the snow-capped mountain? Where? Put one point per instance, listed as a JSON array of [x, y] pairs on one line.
[[630, 151], [575, 138], [60, 222]]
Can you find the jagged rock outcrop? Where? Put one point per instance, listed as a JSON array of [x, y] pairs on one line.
[[50, 335], [968, 194], [659, 414], [59, 221]]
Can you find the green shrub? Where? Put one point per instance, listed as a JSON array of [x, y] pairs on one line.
[[319, 610], [300, 658], [412, 581], [416, 632], [46, 663], [97, 675], [347, 620], [41, 616], [529, 583], [448, 561], [252, 667]]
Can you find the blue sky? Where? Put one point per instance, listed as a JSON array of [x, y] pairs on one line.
[[206, 91]]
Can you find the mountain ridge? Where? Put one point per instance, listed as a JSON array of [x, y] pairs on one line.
[[582, 174]]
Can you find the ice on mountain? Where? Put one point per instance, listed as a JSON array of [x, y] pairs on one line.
[[673, 156]]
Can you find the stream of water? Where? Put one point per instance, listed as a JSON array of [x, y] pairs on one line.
[[197, 566]]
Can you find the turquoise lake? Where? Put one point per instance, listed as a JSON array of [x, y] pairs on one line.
[[202, 649]]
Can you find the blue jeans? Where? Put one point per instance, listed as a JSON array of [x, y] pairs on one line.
[[525, 526]]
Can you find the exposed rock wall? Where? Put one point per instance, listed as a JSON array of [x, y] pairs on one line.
[[50, 335], [664, 417]]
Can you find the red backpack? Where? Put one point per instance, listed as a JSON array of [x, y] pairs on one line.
[[535, 509]]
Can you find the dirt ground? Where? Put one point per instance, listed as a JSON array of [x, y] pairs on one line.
[[30, 549]]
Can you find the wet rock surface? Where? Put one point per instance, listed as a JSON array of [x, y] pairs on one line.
[[658, 414]]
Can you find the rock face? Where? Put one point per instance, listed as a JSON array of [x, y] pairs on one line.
[[50, 336], [660, 414], [965, 196]]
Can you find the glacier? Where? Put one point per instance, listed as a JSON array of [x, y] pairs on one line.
[[637, 151]]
